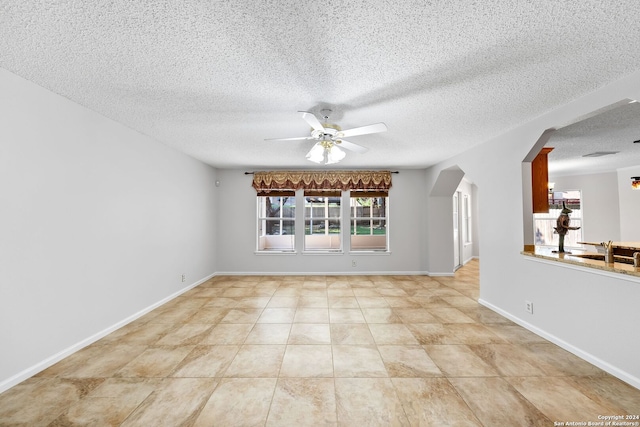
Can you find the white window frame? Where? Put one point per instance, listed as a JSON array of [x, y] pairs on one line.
[[275, 243], [374, 243], [298, 242], [327, 241]]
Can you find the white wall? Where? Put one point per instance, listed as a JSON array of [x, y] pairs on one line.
[[237, 233], [600, 204], [98, 223], [629, 205], [592, 315]]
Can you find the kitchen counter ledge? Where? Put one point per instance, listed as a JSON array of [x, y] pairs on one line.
[[616, 267]]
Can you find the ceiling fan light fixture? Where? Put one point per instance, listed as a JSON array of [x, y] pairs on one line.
[[334, 155], [316, 154], [326, 152]]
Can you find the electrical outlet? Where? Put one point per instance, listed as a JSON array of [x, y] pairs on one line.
[[184, 277], [529, 307], [354, 263]]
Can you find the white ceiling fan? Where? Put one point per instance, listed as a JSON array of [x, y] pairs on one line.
[[329, 138]]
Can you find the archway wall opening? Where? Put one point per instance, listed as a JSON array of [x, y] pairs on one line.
[[440, 225], [546, 139]]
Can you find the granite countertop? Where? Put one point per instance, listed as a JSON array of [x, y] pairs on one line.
[[572, 258]]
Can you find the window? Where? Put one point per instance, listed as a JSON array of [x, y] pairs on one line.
[[276, 221], [322, 220], [544, 223], [368, 221], [318, 198]]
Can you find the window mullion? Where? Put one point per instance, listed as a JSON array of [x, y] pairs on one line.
[[300, 220], [345, 212], [371, 216]]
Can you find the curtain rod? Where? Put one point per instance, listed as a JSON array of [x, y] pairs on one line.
[[251, 173]]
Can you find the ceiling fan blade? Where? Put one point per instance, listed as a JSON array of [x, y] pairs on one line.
[[351, 146], [312, 120], [300, 138], [363, 130]]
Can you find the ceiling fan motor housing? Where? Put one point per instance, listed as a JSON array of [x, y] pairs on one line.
[[330, 131]]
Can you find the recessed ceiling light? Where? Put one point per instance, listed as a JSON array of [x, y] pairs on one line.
[[600, 153]]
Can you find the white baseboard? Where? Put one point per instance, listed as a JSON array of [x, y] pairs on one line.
[[605, 366], [333, 273], [442, 274], [322, 273], [41, 366]]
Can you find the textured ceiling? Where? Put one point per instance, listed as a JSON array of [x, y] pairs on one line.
[[215, 78], [613, 131]]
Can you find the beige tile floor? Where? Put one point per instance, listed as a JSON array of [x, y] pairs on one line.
[[321, 350]]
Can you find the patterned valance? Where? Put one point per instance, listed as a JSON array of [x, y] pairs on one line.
[[322, 180]]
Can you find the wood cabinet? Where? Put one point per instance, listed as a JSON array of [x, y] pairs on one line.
[[540, 181]]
